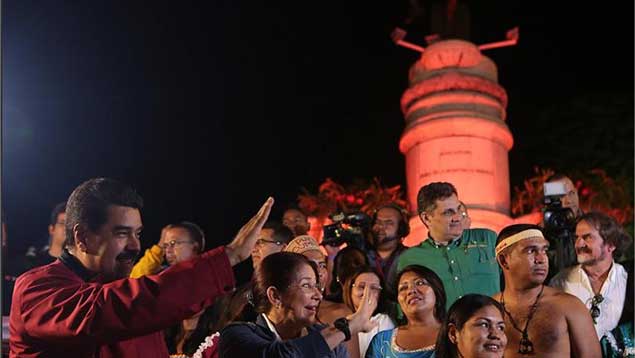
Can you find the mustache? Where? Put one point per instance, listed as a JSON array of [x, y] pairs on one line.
[[583, 250], [386, 237], [128, 255]]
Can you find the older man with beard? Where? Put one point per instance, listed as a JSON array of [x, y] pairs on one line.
[[540, 321], [598, 281], [85, 305]]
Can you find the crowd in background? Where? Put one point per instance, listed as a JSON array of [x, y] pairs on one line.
[[462, 292]]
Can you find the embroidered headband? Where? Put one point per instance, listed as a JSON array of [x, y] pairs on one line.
[[525, 234], [302, 244]]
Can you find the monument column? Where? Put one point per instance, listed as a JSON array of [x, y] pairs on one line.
[[455, 131]]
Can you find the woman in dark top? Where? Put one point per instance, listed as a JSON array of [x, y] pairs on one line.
[[287, 296]]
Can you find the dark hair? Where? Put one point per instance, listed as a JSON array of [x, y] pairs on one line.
[[435, 283], [278, 270], [556, 177], [346, 262], [195, 232], [280, 232], [204, 328], [459, 313], [429, 194], [348, 289], [237, 306], [610, 231], [296, 208], [88, 203], [57, 210], [404, 227], [513, 230]]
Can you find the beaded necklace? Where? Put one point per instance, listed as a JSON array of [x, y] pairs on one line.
[[525, 346]]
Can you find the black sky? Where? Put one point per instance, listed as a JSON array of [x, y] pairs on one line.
[[208, 109]]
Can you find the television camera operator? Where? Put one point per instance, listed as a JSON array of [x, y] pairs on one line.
[[389, 227], [350, 229], [562, 209]]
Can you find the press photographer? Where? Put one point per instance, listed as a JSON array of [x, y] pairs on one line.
[[380, 237], [559, 218], [389, 226]]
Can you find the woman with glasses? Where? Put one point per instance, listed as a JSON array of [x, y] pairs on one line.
[[353, 294], [287, 295], [421, 296]]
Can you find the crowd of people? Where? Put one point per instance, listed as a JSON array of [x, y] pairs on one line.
[[462, 292]]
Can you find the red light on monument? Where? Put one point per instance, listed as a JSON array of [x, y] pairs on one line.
[[456, 132]]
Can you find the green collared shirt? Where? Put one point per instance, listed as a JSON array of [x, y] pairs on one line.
[[466, 265]]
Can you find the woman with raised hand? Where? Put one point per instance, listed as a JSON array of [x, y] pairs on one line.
[[421, 296], [474, 328], [353, 294], [287, 295]]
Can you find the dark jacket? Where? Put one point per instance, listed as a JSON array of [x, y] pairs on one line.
[[247, 339]]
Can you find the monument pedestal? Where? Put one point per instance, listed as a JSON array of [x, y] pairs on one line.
[[455, 132]]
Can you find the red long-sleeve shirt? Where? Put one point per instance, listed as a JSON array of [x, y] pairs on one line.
[[58, 311]]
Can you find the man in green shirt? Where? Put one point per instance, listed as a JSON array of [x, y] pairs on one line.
[[463, 258]]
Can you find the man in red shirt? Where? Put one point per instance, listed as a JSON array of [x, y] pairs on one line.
[[84, 304]]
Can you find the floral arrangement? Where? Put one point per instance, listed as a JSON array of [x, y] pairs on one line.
[[361, 196]]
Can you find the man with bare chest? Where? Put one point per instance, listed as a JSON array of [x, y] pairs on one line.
[[539, 321]]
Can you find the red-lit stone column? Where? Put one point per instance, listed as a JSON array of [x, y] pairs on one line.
[[456, 132]]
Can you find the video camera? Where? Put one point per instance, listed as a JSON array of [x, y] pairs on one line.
[[347, 228], [557, 219], [559, 227]]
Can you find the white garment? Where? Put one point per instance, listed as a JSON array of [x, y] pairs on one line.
[[384, 323], [575, 281], [272, 328]]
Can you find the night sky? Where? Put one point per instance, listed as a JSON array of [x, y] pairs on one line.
[[208, 109]]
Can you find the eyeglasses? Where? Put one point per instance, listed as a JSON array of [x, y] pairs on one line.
[[173, 243], [416, 283], [450, 213], [595, 308], [362, 286], [261, 242]]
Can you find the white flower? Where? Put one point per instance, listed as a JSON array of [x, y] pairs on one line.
[[207, 343]]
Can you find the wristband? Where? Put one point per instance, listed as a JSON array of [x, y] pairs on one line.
[[342, 325]]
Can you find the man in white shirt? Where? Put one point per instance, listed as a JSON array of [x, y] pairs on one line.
[[598, 281]]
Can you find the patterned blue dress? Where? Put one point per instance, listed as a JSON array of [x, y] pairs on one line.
[[384, 345]]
